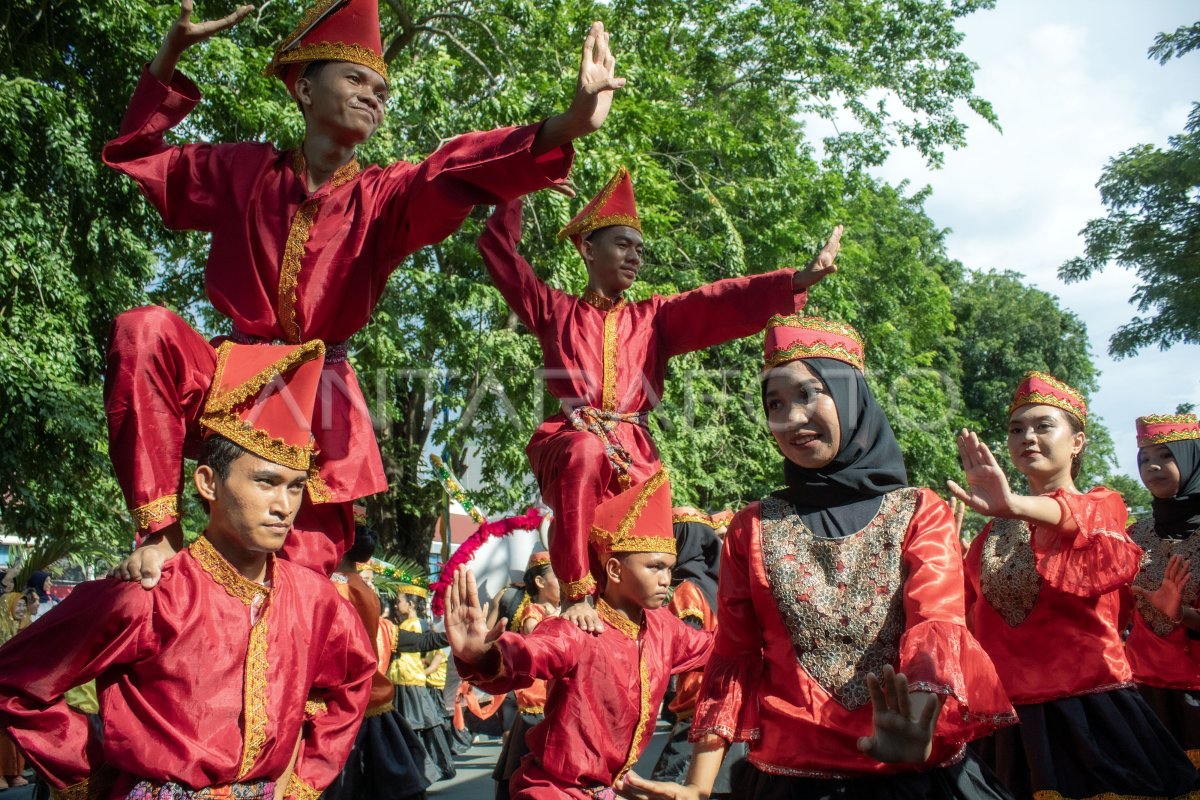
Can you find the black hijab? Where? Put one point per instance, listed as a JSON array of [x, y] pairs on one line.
[[697, 558], [37, 582], [1179, 516], [841, 498]]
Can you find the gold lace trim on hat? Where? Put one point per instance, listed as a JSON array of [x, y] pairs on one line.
[[588, 221], [1042, 399], [679, 519], [815, 350], [620, 541], [159, 510], [815, 324], [618, 620], [329, 51]]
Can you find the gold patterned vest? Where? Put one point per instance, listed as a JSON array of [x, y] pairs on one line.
[[841, 600], [1156, 553], [1008, 575]]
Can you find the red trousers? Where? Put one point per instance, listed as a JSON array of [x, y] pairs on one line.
[[159, 371]]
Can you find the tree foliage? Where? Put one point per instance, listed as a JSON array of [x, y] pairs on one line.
[[727, 185], [1153, 227]]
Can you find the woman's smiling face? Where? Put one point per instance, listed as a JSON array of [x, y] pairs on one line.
[[801, 415]]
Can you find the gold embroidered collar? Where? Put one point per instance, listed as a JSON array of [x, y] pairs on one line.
[[343, 173], [618, 620], [599, 301], [225, 576]]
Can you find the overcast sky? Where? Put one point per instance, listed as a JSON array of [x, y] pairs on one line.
[[1072, 86]]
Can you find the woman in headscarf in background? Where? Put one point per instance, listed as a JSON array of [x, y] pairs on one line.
[[842, 654], [15, 615], [40, 582], [1163, 647]]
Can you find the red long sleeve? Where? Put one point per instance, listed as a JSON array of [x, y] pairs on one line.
[[526, 294], [725, 310]]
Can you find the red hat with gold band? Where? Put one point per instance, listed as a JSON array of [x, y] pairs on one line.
[[614, 205], [538, 558], [332, 30], [1163, 428], [682, 514], [795, 336], [1041, 388], [262, 398], [638, 520]]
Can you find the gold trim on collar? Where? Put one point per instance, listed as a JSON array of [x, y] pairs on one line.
[[599, 301], [224, 575], [618, 620]]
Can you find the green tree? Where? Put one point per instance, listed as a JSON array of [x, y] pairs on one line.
[[1153, 227]]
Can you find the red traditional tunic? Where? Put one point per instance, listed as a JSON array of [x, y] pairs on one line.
[[532, 698], [1160, 651], [604, 696], [793, 684], [611, 357], [285, 264], [205, 681], [689, 604], [1047, 609]]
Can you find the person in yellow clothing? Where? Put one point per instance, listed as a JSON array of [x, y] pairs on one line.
[[407, 671]]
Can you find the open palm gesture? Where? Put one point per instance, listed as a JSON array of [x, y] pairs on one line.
[[989, 493], [466, 621], [901, 734], [1168, 597], [597, 81], [187, 32], [824, 264]]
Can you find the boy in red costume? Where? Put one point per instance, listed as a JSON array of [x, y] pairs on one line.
[[239, 662], [606, 359], [303, 242], [605, 690]]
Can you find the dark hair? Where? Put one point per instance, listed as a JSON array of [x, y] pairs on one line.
[[219, 454], [419, 604], [311, 70], [1077, 459], [538, 571], [364, 545]]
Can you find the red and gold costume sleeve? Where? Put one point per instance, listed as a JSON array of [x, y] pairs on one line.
[[100, 625], [340, 690], [800, 708], [532, 699], [725, 310], [526, 294], [1161, 653], [1098, 556]]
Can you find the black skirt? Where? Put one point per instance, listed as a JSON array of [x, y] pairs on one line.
[[1179, 711], [1109, 744], [969, 779], [513, 751], [386, 763]]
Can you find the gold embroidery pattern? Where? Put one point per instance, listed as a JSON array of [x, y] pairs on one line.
[[318, 490], [1156, 552], [532, 709], [608, 400], [248, 390], [156, 511], [289, 271], [814, 350], [618, 620], [225, 575], [840, 599], [678, 519], [259, 442], [815, 324], [254, 695], [1042, 399], [644, 713], [1008, 575], [329, 51], [580, 588], [1169, 436], [315, 707], [518, 617], [588, 221], [1168, 419], [76, 791], [1049, 794], [695, 613], [599, 301], [341, 175], [298, 789], [620, 540]]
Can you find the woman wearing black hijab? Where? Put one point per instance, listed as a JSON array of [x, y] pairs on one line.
[[1163, 654], [842, 655]]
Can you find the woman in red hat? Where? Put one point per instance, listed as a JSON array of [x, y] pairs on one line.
[[842, 655], [1163, 650], [1045, 579]]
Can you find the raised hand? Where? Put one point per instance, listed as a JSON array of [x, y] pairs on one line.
[[467, 630], [597, 81], [1168, 597], [902, 734], [990, 493], [186, 32], [824, 264]]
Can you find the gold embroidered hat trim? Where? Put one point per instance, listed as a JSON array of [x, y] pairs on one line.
[[159, 510], [1165, 438], [224, 575], [814, 350], [249, 389], [679, 519], [1028, 394], [620, 541], [329, 51], [618, 620], [593, 220]]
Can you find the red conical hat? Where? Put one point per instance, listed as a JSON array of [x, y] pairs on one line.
[[1041, 388], [795, 336], [1163, 428], [332, 30], [262, 398], [615, 205], [638, 520]]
